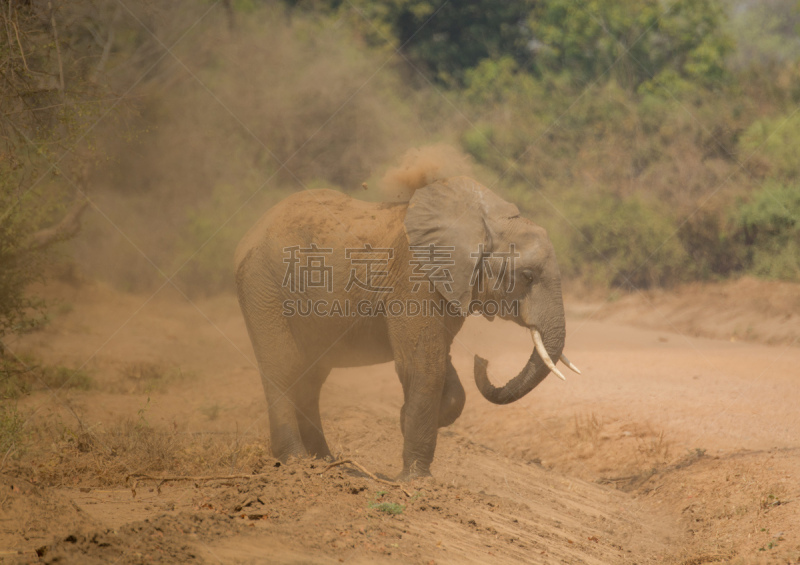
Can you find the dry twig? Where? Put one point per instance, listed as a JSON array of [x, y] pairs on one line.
[[367, 473], [161, 480]]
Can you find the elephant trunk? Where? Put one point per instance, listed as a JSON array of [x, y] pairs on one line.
[[534, 371]]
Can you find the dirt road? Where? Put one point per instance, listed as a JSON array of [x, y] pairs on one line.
[[668, 449]]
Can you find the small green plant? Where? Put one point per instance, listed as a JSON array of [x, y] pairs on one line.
[[388, 507], [149, 377], [142, 413], [770, 501]]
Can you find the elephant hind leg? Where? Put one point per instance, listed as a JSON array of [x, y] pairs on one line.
[[307, 412], [453, 397]]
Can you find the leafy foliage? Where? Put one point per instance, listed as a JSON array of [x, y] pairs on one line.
[[770, 227], [627, 114], [766, 33], [634, 41], [49, 92], [18, 311], [626, 243], [776, 143], [20, 376], [447, 38]]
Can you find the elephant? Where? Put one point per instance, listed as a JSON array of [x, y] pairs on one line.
[[325, 280]]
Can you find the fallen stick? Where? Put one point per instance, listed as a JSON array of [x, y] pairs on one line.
[[361, 468], [161, 480]]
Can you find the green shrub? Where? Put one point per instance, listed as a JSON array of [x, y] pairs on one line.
[[769, 225], [21, 265], [492, 80], [709, 239], [477, 143], [58, 376], [19, 377], [624, 243], [15, 380], [776, 142], [633, 40]]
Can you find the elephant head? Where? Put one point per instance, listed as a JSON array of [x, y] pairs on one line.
[[495, 255]]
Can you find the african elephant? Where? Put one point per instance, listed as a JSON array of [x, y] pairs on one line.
[[325, 280]]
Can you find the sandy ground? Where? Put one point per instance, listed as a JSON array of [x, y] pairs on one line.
[[670, 448]]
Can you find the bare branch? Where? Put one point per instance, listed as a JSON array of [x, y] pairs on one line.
[[68, 227], [58, 47], [21, 50], [101, 65]]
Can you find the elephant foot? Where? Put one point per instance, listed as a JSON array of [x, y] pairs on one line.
[[288, 453], [415, 471], [321, 454]]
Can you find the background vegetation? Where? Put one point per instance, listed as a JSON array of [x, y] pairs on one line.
[[657, 140]]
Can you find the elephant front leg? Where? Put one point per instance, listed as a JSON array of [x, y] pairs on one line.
[[423, 383], [453, 397], [452, 402]]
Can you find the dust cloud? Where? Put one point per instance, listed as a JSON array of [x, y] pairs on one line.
[[421, 166], [238, 119]]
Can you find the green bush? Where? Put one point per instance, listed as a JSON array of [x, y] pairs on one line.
[[709, 239], [633, 41], [21, 214], [624, 243], [776, 142], [50, 98], [21, 376], [770, 228], [58, 376]]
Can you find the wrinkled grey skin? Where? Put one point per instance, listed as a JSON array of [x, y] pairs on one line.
[[295, 353]]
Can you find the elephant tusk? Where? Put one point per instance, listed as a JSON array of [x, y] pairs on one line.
[[569, 364], [537, 342]]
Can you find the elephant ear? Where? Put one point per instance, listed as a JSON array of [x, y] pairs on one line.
[[448, 222]]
